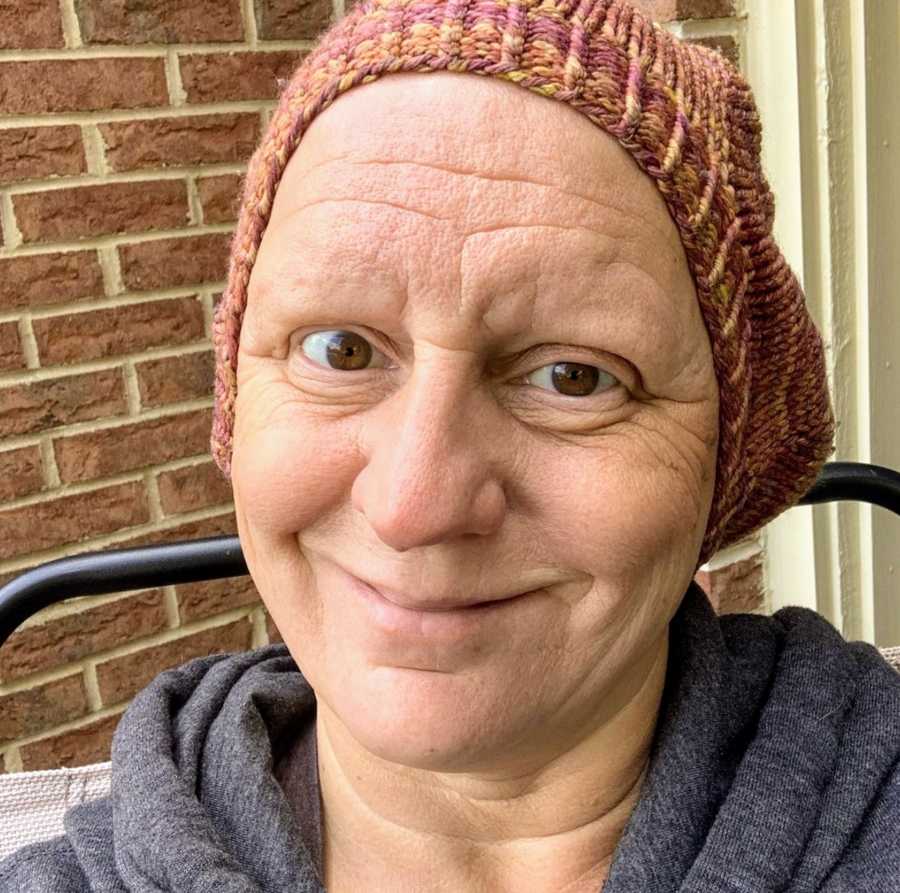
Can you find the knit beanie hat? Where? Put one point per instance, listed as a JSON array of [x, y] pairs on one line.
[[687, 117]]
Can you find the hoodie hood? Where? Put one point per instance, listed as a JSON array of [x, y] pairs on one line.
[[775, 766]]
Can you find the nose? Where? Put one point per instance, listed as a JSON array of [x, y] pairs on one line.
[[429, 475]]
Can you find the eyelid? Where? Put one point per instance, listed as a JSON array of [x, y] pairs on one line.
[[561, 353], [528, 361], [377, 341]]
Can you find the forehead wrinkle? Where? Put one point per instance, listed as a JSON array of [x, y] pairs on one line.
[[284, 218], [515, 285], [624, 210], [603, 261], [598, 229], [506, 178], [500, 226]]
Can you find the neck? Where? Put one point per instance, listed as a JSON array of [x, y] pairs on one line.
[[551, 826]]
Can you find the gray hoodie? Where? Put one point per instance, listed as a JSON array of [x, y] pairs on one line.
[[775, 767]]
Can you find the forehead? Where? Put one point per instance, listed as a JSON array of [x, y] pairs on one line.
[[485, 131], [464, 189]]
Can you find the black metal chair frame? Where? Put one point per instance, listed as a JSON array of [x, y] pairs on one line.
[[213, 558]]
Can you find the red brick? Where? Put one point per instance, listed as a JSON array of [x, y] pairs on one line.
[[292, 19], [226, 77], [192, 488], [272, 631], [33, 710], [218, 525], [211, 597], [72, 519], [672, 10], [20, 473], [95, 454], [735, 588], [38, 279], [220, 197], [159, 21], [11, 356], [28, 153], [724, 44], [702, 579], [71, 85], [30, 25], [121, 678], [196, 139], [168, 263], [28, 408], [117, 330], [11, 575], [172, 379], [61, 214], [82, 746], [65, 639]]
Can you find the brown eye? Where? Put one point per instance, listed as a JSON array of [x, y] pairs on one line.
[[338, 349], [573, 379]]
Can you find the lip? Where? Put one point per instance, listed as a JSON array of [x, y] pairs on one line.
[[434, 606], [432, 622]]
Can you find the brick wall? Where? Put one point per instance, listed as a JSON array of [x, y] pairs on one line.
[[124, 132]]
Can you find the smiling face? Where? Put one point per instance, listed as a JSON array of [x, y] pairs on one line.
[[472, 365]]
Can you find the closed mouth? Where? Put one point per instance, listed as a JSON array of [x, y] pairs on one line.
[[437, 605]]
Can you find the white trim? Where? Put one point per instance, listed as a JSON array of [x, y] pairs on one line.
[[882, 163], [824, 75], [772, 71]]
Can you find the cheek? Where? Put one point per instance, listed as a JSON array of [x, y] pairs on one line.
[[289, 469], [625, 515], [632, 508]]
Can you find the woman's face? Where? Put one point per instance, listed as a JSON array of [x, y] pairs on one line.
[[472, 365]]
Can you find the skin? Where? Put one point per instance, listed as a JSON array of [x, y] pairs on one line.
[[456, 223]]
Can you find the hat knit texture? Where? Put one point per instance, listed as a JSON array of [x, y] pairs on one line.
[[687, 117]]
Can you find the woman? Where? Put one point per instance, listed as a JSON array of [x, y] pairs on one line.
[[489, 392]]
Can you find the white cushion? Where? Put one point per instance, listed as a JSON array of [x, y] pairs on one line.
[[32, 804], [892, 656]]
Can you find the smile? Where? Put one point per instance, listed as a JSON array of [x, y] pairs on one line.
[[432, 621]]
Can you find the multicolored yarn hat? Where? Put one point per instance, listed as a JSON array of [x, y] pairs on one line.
[[688, 118]]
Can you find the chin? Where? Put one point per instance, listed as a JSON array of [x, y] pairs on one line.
[[426, 720]]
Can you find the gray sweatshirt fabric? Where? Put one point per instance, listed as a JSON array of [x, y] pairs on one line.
[[775, 766]]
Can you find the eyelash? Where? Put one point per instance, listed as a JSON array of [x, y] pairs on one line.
[[616, 381]]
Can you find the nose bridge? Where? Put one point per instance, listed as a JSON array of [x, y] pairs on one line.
[[428, 477]]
